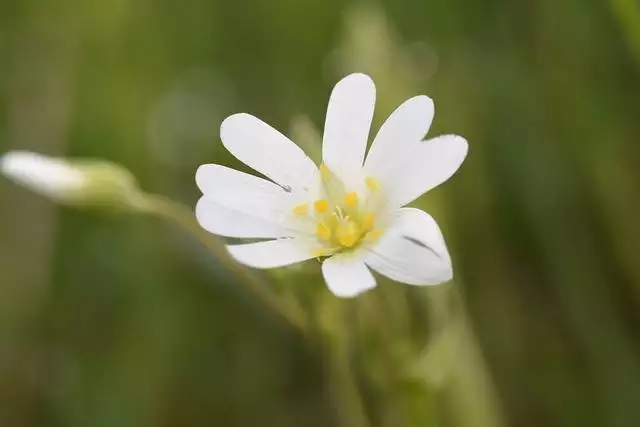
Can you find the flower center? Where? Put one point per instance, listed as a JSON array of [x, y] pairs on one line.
[[343, 220]]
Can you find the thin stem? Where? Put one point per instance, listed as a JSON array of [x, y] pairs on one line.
[[394, 411], [169, 210], [348, 398], [456, 355]]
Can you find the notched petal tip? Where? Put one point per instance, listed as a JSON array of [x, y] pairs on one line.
[[459, 148], [461, 142]]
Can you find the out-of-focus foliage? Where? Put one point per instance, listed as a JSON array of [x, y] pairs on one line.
[[126, 321]]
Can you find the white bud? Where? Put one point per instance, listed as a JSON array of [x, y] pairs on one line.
[[78, 183], [48, 176]]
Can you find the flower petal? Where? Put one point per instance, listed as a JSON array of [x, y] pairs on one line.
[[244, 192], [229, 222], [346, 128], [347, 276], [423, 166], [412, 251], [408, 124], [268, 151], [272, 253]]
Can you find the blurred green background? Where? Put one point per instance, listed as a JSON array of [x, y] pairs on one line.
[[127, 321]]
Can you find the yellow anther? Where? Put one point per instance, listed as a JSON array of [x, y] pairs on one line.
[[321, 206], [348, 233], [368, 221], [372, 184], [351, 200], [323, 231], [300, 210]]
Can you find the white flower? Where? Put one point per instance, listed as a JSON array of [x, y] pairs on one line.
[[348, 211]]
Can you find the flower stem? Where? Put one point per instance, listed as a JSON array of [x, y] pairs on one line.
[[182, 216], [351, 410], [457, 359], [394, 412]]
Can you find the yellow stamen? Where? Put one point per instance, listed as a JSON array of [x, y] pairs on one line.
[[372, 184], [351, 200], [300, 210], [321, 206], [368, 221], [323, 231], [348, 232]]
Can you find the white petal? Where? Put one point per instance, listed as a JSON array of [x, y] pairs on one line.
[[268, 151], [347, 275], [244, 193], [272, 253], [228, 222], [46, 175], [424, 166], [346, 128], [412, 251], [408, 124]]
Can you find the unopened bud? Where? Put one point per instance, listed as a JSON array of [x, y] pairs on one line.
[[82, 183]]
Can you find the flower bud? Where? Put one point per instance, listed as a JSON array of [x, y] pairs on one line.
[[81, 183]]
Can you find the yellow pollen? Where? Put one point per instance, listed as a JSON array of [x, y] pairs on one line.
[[368, 221], [300, 210], [342, 219], [351, 200], [323, 231], [372, 184], [321, 206], [348, 232]]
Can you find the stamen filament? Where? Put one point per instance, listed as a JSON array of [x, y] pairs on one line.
[[343, 220], [323, 231]]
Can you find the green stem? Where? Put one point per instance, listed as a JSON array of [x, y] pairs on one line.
[[182, 216], [394, 411], [350, 406], [456, 355]]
